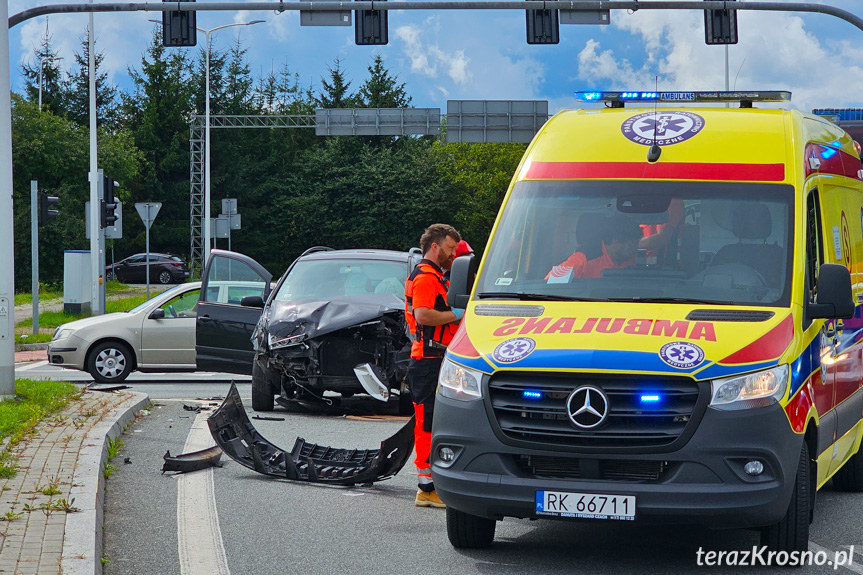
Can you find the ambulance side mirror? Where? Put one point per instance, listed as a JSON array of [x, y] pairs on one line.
[[461, 281], [834, 299]]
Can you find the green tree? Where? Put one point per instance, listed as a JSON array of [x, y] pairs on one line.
[[479, 175], [157, 114], [335, 92], [55, 152], [77, 91], [381, 90], [48, 63]]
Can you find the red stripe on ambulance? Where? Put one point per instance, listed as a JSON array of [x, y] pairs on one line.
[[660, 170], [768, 346]]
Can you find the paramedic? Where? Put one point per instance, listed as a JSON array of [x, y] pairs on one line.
[[432, 324]]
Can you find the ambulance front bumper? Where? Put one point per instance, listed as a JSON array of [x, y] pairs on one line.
[[703, 482]]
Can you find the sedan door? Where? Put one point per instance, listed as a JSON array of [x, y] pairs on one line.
[[224, 327], [168, 342]]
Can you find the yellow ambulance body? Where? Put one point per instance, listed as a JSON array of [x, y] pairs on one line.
[[665, 327]]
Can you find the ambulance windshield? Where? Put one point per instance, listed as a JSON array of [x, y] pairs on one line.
[[699, 242]]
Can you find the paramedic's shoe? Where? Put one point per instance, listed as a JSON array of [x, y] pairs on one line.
[[429, 499]]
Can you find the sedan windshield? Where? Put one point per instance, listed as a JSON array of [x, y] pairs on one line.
[[717, 243], [326, 279]]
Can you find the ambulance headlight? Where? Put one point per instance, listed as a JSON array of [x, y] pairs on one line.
[[459, 382], [757, 389]]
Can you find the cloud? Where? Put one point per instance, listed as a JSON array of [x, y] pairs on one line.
[[426, 57]]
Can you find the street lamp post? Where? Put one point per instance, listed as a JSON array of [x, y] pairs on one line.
[[206, 33], [42, 65], [207, 231]]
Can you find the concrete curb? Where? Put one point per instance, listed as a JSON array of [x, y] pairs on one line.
[[82, 543]]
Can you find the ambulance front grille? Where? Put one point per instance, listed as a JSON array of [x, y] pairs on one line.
[[545, 467], [532, 407]]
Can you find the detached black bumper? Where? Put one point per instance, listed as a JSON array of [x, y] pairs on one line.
[[702, 483]]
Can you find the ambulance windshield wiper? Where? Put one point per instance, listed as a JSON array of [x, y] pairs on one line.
[[668, 300], [531, 296]]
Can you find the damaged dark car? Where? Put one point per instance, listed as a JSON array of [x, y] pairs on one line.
[[334, 322]]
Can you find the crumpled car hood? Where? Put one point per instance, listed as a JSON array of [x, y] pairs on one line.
[[313, 318]]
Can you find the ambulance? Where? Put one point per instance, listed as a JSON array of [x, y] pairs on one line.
[[665, 326]]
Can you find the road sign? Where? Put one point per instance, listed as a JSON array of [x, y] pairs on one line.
[[148, 212], [229, 206], [236, 222]]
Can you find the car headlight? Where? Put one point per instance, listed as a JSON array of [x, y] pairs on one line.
[[458, 382], [60, 333], [278, 342], [751, 390]]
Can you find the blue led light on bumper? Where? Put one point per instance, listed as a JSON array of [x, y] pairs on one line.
[[649, 398], [531, 394]]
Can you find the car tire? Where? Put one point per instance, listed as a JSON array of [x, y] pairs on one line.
[[110, 362], [850, 475], [792, 531], [469, 531], [110, 276], [165, 277], [263, 398]]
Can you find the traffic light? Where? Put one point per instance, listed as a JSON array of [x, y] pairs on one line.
[[543, 26], [109, 202], [178, 28], [46, 214], [720, 26], [370, 27]]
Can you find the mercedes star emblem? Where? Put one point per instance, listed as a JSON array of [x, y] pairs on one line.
[[587, 407]]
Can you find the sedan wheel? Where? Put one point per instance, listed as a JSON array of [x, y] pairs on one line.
[[110, 362], [165, 277], [110, 276]]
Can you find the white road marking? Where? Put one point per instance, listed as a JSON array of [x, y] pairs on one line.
[[199, 537], [31, 365], [831, 554]]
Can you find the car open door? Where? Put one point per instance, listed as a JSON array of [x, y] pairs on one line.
[[224, 327]]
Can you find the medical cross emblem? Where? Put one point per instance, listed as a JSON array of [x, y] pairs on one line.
[[514, 349], [681, 354], [665, 128]]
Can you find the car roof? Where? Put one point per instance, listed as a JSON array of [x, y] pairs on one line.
[[359, 254]]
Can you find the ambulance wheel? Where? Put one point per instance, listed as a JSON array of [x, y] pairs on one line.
[[792, 531], [263, 398], [850, 476], [468, 531]]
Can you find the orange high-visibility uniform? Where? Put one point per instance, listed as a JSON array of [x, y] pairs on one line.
[[425, 287]]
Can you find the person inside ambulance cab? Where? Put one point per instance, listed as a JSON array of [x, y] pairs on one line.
[[620, 239]]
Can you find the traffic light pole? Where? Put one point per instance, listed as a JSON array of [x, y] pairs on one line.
[[7, 238], [95, 230], [34, 241]]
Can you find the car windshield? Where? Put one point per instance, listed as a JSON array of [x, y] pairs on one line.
[[170, 293], [717, 243], [324, 279]]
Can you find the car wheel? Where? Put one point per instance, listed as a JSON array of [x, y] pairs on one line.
[[850, 475], [263, 398], [110, 362], [792, 531], [468, 531], [165, 277], [110, 275]]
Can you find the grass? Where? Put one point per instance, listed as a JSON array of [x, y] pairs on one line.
[[52, 319], [23, 298], [33, 402], [33, 338]]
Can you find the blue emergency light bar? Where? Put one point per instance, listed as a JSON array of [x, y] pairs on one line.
[[618, 99]]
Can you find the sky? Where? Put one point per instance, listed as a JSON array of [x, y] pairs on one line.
[[483, 55]]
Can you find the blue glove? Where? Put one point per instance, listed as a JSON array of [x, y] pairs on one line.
[[459, 312]]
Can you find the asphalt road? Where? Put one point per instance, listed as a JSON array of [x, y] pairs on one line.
[[272, 526]]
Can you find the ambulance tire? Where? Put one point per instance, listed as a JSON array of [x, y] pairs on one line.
[[263, 398], [469, 531], [792, 532], [850, 476]]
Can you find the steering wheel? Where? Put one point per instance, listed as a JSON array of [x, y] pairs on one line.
[[172, 311], [742, 275]]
